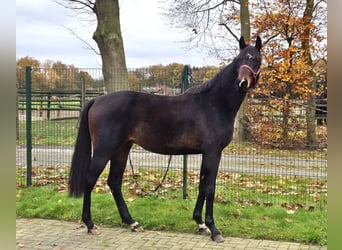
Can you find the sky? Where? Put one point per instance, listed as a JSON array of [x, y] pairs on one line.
[[43, 32]]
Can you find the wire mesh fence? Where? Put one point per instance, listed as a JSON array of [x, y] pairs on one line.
[[259, 171]]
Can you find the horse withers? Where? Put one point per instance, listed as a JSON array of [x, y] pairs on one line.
[[200, 121]]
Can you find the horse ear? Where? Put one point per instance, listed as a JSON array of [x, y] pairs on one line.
[[242, 43], [258, 44]]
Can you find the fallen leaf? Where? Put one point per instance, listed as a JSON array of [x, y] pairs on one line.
[[220, 199], [21, 245], [289, 220], [311, 208], [238, 213], [281, 183], [130, 199], [268, 204]]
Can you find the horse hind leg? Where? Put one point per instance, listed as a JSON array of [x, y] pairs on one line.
[[96, 167], [117, 168]]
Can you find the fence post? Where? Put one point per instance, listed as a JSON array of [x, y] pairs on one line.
[[83, 93], [17, 114], [185, 86], [28, 128], [48, 106]]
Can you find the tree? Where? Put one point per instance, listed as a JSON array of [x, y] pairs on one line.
[[294, 31], [51, 75], [22, 63], [305, 44], [107, 37]]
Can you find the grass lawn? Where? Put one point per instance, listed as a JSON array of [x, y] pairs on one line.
[[175, 214]]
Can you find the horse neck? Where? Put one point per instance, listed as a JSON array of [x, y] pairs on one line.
[[225, 89]]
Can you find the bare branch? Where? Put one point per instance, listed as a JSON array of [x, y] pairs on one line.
[[210, 8], [84, 41], [319, 3], [77, 5], [270, 38], [229, 30]]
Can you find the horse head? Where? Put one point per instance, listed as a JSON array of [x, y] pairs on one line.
[[248, 64]]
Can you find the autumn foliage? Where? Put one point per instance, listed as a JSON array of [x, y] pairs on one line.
[[294, 71]]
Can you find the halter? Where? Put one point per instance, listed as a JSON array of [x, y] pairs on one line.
[[255, 74]]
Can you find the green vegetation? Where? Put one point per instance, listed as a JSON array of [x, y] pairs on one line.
[[50, 132], [175, 214], [52, 105]]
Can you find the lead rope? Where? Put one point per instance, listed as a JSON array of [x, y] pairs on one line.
[[159, 184]]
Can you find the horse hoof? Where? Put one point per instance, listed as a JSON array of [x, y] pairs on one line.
[[94, 231], [217, 238], [204, 231], [135, 227]]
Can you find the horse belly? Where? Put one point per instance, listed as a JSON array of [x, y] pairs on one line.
[[166, 141]]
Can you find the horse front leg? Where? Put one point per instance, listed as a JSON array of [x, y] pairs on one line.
[[197, 215], [209, 169]]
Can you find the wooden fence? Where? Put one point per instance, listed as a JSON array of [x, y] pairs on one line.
[[52, 104]]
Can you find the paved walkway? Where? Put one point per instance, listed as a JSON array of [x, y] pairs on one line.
[[60, 235]]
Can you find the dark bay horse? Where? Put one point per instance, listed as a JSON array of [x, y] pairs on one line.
[[200, 121]]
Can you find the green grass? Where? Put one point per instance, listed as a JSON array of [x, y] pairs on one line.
[[158, 213], [45, 104], [48, 132]]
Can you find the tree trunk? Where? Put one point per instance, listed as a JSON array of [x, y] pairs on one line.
[[109, 40], [285, 129], [311, 139], [245, 20], [242, 119]]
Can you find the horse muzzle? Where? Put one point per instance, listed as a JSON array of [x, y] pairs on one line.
[[247, 77], [243, 84]]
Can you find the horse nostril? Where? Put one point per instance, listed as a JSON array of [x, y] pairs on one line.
[[243, 83]]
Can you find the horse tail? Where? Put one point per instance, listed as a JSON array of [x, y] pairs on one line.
[[82, 155]]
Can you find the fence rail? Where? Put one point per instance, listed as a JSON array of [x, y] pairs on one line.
[[250, 171], [45, 101]]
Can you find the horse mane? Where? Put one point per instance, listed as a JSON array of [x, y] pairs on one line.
[[208, 85], [202, 88]]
